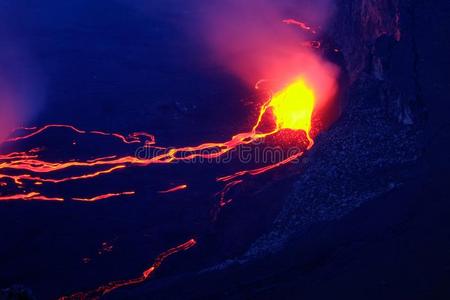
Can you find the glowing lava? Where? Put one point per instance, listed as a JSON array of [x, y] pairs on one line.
[[300, 24], [174, 189], [33, 196], [293, 107], [105, 196], [290, 108], [111, 286]]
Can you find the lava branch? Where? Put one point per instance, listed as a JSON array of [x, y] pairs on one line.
[[29, 197], [223, 200], [300, 24], [132, 138], [174, 189], [105, 196], [18, 179], [292, 108], [113, 285], [35, 196], [261, 170]]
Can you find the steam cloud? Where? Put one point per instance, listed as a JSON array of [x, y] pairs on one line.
[[20, 94], [249, 39]]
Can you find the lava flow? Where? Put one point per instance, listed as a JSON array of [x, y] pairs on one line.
[[293, 107], [109, 287], [290, 108], [174, 189], [300, 24], [105, 196], [29, 197], [299, 83]]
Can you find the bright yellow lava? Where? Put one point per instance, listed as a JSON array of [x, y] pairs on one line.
[[293, 106]]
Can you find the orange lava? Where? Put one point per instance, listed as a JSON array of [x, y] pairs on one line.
[[113, 285], [130, 139], [174, 189], [105, 196], [18, 179], [258, 171], [293, 107], [290, 108], [223, 200], [300, 24], [29, 197]]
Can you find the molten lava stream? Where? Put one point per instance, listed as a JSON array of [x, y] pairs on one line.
[[105, 196], [292, 108], [289, 109], [300, 24], [174, 189], [111, 286], [29, 197], [134, 137]]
